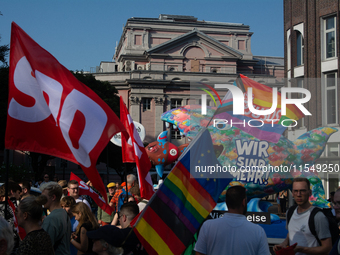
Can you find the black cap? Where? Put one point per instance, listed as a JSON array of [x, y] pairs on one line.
[[109, 233]]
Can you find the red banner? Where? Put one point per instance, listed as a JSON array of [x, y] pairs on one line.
[[51, 112], [137, 149], [84, 189]]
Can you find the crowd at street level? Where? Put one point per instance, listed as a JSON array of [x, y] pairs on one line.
[[70, 226], [60, 221]]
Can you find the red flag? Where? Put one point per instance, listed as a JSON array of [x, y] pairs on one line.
[[51, 112], [140, 157], [84, 189]]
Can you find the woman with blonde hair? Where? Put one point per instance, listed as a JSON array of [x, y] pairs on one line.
[[87, 222], [29, 214]]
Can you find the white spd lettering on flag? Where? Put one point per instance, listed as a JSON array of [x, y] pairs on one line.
[[26, 83]]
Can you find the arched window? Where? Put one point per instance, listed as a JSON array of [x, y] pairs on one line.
[[299, 49]]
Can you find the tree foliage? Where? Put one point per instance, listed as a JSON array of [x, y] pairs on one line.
[[3, 103], [112, 154], [4, 72], [3, 54]]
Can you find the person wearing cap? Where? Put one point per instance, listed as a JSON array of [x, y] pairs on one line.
[[114, 200], [107, 240], [112, 189], [103, 217]]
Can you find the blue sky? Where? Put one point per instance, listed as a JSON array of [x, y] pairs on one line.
[[82, 33]]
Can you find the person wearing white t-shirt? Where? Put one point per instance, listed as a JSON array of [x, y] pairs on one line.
[[298, 226]]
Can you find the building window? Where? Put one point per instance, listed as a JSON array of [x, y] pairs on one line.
[[200, 102], [175, 134], [299, 81], [175, 103], [299, 48], [329, 37], [242, 45], [333, 150], [331, 98], [138, 40], [146, 104]]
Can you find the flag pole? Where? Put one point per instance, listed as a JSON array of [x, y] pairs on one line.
[[107, 164], [6, 184], [126, 186]]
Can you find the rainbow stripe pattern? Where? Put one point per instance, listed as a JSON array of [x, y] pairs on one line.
[[176, 211]]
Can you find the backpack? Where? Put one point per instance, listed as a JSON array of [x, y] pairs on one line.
[[333, 224], [121, 198]]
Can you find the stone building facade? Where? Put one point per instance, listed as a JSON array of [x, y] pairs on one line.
[[157, 58]]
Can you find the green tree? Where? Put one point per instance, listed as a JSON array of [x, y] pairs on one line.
[[4, 49], [112, 154]]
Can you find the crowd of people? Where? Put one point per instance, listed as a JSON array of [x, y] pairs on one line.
[[60, 221], [308, 232]]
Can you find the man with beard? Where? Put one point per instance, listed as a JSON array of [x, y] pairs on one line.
[[233, 233]]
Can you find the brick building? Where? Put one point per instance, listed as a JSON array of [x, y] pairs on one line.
[[311, 61]]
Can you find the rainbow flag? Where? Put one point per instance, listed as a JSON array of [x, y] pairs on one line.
[[272, 127], [178, 208]]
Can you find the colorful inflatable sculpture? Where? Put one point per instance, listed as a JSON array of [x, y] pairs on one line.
[[282, 161], [162, 152]]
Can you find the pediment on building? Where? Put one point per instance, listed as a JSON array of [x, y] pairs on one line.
[[209, 46]]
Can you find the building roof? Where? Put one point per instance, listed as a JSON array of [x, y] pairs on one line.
[[196, 32], [187, 19]]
